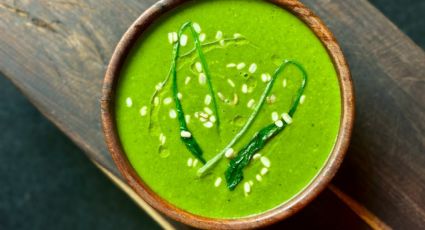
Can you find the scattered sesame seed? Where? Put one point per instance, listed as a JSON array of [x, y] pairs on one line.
[[196, 114], [204, 115], [162, 138], [189, 162], [187, 80], [231, 65], [264, 171], [195, 162], [279, 123], [172, 114], [179, 96], [129, 102], [196, 27], [275, 116], [250, 103], [175, 37], [251, 182], [213, 119], [302, 99], [264, 77], [203, 119], [198, 66], [143, 111], [185, 134], [187, 118], [265, 161], [287, 118], [258, 177], [217, 182], [244, 88], [156, 101], [183, 40], [207, 99], [252, 68], [240, 66], [167, 100], [271, 99], [222, 42], [219, 35], [208, 124], [237, 35], [229, 153], [208, 110], [202, 79], [202, 37], [284, 83], [256, 156], [221, 96], [247, 188], [158, 86], [170, 38], [231, 83]]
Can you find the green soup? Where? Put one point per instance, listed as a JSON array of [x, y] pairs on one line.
[[243, 43]]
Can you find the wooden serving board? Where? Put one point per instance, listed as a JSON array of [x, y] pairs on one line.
[[56, 52]]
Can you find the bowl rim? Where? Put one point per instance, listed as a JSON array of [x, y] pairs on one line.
[[286, 209]]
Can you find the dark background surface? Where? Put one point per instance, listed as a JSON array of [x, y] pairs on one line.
[[46, 182]]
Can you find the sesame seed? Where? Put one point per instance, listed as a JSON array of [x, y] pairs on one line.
[[204, 115], [207, 99], [203, 119], [219, 35], [256, 156], [229, 153], [167, 100], [195, 162], [258, 177], [217, 182], [264, 171], [264, 77], [175, 37], [202, 79], [208, 124], [196, 114], [222, 42], [129, 102], [250, 103], [162, 138], [284, 83], [251, 182], [202, 37], [221, 96], [198, 66], [237, 35], [189, 162], [185, 134], [240, 66], [170, 38], [143, 111], [279, 123], [275, 116], [302, 99], [287, 118], [252, 68], [172, 114], [156, 101], [208, 110], [231, 65], [244, 88], [213, 119], [179, 96], [271, 99], [158, 86], [247, 188], [183, 40], [187, 119], [231, 83], [265, 161], [196, 27], [187, 80]]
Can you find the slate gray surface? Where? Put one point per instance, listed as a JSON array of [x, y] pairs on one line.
[[46, 182]]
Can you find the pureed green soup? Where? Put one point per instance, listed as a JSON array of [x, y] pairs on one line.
[[228, 108]]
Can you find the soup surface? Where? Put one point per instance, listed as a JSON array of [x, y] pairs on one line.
[[171, 118]]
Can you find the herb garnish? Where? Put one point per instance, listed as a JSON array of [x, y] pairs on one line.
[[234, 173]]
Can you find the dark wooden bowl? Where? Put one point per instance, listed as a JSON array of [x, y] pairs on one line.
[[286, 209]]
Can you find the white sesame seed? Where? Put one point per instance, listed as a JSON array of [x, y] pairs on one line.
[[167, 101], [187, 119], [202, 37], [207, 99], [179, 96], [302, 99], [196, 114], [183, 40], [185, 134], [252, 68], [196, 27], [251, 182], [240, 66], [265, 161], [198, 66], [208, 124], [244, 88], [231, 83], [172, 114], [279, 123], [229, 153], [202, 79], [162, 138], [275, 116], [237, 35], [250, 103], [264, 77], [258, 177], [187, 80], [287, 118], [231, 65], [221, 96], [156, 101], [271, 99], [143, 111], [189, 162], [170, 38], [264, 171], [217, 182], [129, 102], [204, 115], [158, 86], [213, 119], [195, 162], [222, 42], [203, 119], [284, 83], [208, 110], [175, 37], [256, 156], [247, 188], [219, 35]]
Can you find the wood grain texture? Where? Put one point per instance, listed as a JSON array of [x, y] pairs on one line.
[[56, 52]]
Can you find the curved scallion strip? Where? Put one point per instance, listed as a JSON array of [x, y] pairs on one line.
[[257, 109]]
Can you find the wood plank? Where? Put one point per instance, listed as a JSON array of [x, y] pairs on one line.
[[56, 52]]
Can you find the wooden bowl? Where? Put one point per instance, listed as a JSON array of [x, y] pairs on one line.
[[279, 213]]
